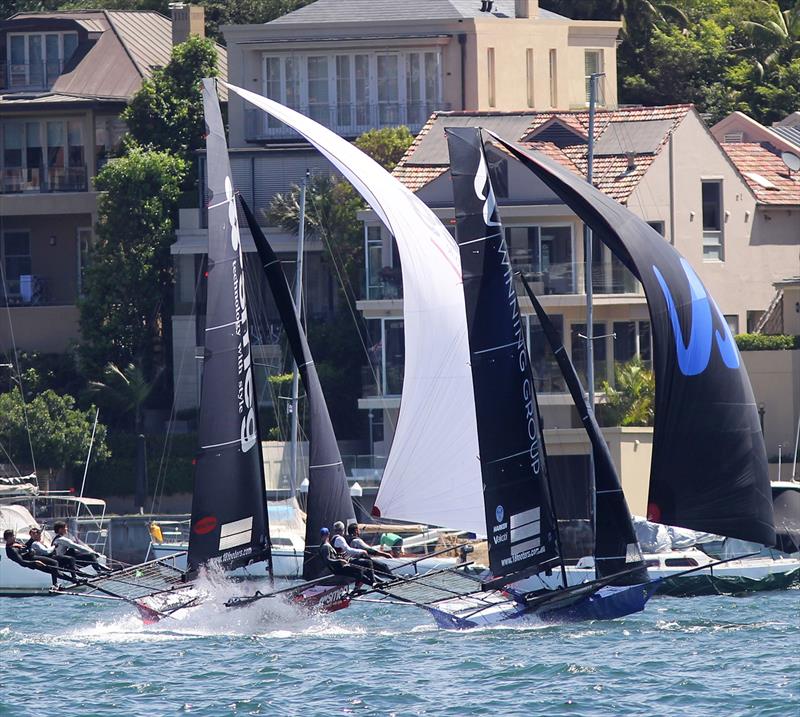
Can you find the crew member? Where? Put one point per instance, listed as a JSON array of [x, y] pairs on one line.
[[83, 554], [17, 552], [357, 543], [38, 549], [339, 564]]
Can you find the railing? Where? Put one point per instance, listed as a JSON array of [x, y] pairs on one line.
[[345, 119], [27, 290], [21, 180], [31, 75]]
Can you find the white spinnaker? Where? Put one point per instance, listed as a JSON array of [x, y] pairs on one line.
[[432, 473]]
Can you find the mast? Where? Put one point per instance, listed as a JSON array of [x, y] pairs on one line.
[[298, 298], [589, 279]]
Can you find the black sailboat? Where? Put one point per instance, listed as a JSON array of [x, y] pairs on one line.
[[709, 464], [229, 522], [328, 491]]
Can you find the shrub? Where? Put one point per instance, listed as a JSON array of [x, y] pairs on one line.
[[762, 342]]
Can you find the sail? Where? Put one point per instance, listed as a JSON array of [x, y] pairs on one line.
[[328, 492], [709, 466], [432, 473], [616, 548], [520, 524], [229, 506]]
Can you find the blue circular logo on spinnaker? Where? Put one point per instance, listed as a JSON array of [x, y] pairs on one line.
[[499, 513]]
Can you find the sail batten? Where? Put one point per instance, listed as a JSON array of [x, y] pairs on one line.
[[328, 491], [229, 514], [709, 466]]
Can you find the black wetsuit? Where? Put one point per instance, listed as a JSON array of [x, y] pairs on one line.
[[65, 562], [17, 553], [340, 566]]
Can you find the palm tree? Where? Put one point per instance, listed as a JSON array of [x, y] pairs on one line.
[[631, 402], [124, 391], [778, 37]]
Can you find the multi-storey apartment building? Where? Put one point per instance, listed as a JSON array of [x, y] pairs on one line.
[[355, 65], [664, 165], [64, 79]]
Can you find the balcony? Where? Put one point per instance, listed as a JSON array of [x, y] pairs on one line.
[[31, 76], [21, 180], [28, 290], [348, 120]]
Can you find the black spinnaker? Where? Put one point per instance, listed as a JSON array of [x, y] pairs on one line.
[[229, 505], [786, 502], [709, 466], [616, 549], [328, 491], [520, 524]]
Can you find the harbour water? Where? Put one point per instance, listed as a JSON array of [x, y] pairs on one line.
[[709, 656]]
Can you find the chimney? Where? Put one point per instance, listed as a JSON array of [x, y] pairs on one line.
[[187, 20], [526, 8]]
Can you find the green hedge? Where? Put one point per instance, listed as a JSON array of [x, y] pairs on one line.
[[761, 342], [117, 476]]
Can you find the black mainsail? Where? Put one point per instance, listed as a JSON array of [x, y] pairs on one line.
[[709, 466], [616, 549], [520, 524], [229, 505], [328, 491]]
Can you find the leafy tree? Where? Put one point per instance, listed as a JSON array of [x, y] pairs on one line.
[[778, 36], [124, 392], [128, 284], [166, 114], [386, 145], [59, 433], [631, 402], [245, 12]]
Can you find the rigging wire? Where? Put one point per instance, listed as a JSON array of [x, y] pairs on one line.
[[19, 374]]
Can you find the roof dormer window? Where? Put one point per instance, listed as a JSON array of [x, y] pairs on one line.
[[36, 59]]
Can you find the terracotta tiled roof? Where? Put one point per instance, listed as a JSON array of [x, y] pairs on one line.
[[616, 174], [765, 173]]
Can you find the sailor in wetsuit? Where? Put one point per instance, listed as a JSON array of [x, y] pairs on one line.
[[68, 546], [38, 549], [17, 552], [339, 564], [357, 543]]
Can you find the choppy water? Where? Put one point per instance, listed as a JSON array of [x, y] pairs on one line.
[[715, 656]]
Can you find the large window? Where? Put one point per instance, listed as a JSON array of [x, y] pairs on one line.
[[353, 92], [547, 375], [713, 247], [544, 255], [593, 65], [43, 156], [600, 354], [16, 259], [632, 338], [37, 59]]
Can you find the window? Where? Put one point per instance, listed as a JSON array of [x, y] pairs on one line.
[[658, 225], [632, 338], [490, 63], [16, 258], [553, 78], [354, 92], [529, 76], [394, 356], [84, 243], [43, 156], [547, 375], [593, 65], [544, 255], [733, 323], [37, 59], [753, 318], [713, 249]]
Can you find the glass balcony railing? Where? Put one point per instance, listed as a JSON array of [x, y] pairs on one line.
[[31, 75], [345, 119], [17, 180]]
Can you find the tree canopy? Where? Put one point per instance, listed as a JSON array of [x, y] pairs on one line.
[[59, 433], [128, 284]]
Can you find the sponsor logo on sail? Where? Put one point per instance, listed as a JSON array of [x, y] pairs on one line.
[[694, 355], [245, 384], [204, 525], [499, 513], [238, 532]]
